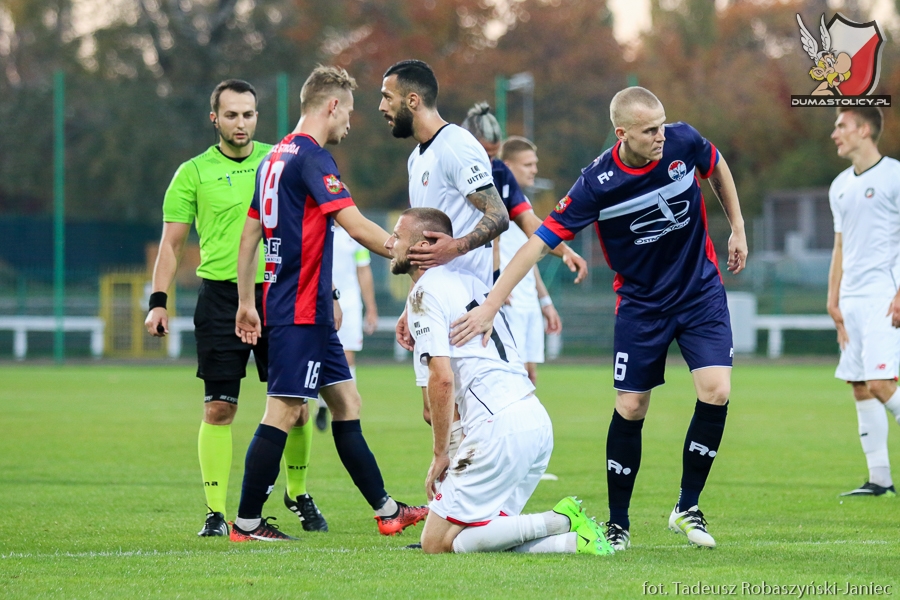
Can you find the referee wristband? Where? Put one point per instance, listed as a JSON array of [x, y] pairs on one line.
[[158, 300], [545, 301]]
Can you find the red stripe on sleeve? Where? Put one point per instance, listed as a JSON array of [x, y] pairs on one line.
[[336, 205], [312, 248], [554, 226], [712, 162], [518, 210], [253, 213]]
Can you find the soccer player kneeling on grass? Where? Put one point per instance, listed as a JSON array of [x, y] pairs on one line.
[[508, 435]]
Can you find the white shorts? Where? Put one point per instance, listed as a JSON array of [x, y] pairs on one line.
[[351, 331], [873, 351], [498, 466], [527, 328]]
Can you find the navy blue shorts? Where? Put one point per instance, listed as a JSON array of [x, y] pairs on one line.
[[704, 337], [304, 358]]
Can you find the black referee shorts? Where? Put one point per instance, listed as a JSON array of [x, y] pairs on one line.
[[221, 355]]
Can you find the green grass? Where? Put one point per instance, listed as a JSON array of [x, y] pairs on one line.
[[100, 494]]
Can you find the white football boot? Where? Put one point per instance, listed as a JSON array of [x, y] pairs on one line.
[[692, 524]]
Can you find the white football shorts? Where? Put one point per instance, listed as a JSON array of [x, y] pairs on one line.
[[873, 351], [351, 331], [498, 465], [527, 327]]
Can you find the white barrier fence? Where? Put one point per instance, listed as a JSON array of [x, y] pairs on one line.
[[742, 306]]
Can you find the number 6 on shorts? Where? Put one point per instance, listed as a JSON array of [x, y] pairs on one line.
[[621, 364]]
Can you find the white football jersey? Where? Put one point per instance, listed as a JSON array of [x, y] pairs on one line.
[[524, 295], [348, 255], [866, 210], [442, 172], [486, 378]]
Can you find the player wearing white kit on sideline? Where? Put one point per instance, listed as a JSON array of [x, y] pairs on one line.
[[352, 277], [863, 298], [508, 434]]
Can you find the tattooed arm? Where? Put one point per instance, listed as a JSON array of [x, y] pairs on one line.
[[722, 184], [494, 222]]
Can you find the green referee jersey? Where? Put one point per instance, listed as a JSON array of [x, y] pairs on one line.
[[214, 192]]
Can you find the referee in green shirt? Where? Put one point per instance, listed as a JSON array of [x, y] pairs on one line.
[[214, 190]]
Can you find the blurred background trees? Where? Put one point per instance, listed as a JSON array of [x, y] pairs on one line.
[[139, 74]]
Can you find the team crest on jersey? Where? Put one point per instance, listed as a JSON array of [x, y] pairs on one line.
[[425, 178], [870, 192], [333, 184], [677, 170], [562, 205]]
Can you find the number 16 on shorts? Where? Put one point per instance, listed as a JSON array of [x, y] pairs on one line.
[[620, 366]]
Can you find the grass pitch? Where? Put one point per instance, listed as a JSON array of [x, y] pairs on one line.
[[100, 494]]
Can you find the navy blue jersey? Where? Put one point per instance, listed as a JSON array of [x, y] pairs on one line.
[[298, 187], [513, 199], [651, 223]]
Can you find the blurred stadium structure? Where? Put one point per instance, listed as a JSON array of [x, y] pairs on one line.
[[138, 82]]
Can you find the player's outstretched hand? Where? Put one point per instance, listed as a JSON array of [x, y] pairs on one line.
[[445, 249], [479, 320], [737, 252], [437, 472], [554, 323], [576, 264], [157, 322], [247, 325], [404, 338]]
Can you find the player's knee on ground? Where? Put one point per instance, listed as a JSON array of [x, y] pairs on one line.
[[434, 542], [220, 401], [882, 389]]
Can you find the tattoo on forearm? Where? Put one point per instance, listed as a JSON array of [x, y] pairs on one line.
[[716, 184], [494, 222]]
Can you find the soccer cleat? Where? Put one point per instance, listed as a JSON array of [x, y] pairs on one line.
[[618, 537], [692, 524], [264, 532], [590, 533], [215, 525], [406, 516], [872, 489], [307, 511], [322, 419]]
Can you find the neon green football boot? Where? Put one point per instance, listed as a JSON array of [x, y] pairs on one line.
[[591, 539]]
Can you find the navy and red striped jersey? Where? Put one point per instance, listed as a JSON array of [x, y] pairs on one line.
[[651, 223], [298, 188], [515, 201]]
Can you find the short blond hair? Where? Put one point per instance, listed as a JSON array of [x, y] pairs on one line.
[[622, 103], [322, 83], [516, 144]]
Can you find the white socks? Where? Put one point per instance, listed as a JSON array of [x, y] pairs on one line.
[[247, 524], [893, 405], [873, 434], [389, 508], [564, 543], [521, 533], [500, 534]]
